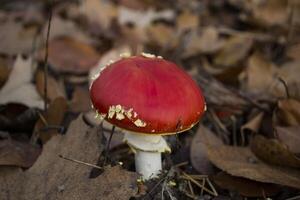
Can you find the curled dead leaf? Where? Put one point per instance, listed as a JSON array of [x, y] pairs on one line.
[[253, 124]]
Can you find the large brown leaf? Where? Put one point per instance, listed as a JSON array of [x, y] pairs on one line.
[[54, 178], [240, 161]]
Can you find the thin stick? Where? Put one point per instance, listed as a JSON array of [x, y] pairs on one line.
[[80, 162], [191, 188], [198, 184], [285, 87], [46, 59], [211, 186], [108, 144]]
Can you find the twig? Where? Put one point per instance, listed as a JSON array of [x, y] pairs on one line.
[[191, 188], [80, 162], [211, 186], [198, 184], [46, 58], [285, 87]]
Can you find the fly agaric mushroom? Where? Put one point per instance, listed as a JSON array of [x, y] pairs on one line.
[[148, 97]]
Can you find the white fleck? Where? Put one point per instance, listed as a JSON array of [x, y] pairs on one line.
[[153, 131], [110, 62], [160, 57], [134, 114], [118, 108], [92, 106], [95, 76], [128, 113], [125, 55], [111, 112], [148, 55], [140, 123], [119, 116], [205, 107]]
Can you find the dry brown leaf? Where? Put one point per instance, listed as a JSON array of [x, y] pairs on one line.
[[80, 100], [245, 187], [207, 41], [66, 28], [98, 13], [198, 153], [16, 153], [187, 21], [290, 136], [54, 88], [162, 35], [241, 162], [270, 13], [235, 49], [48, 124], [288, 112], [54, 178], [70, 55], [258, 77], [253, 124], [273, 152]]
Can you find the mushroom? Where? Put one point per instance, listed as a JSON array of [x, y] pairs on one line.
[[148, 97]]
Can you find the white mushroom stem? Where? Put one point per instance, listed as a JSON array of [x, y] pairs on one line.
[[147, 149]]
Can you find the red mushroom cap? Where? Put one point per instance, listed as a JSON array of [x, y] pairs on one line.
[[147, 95]]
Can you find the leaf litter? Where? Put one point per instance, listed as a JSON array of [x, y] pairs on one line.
[[54, 178], [243, 54]]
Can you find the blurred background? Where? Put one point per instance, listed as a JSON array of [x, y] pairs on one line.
[[244, 54]]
